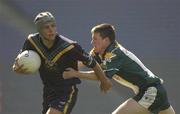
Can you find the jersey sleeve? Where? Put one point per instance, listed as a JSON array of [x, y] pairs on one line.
[[96, 56], [27, 46], [110, 72], [80, 54]]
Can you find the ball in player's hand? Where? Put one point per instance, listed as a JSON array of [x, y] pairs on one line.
[[30, 60]]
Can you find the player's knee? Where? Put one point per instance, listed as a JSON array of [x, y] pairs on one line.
[[170, 110]]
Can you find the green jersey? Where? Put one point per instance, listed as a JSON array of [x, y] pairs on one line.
[[123, 66]]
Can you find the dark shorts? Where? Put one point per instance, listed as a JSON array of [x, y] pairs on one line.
[[63, 101], [153, 97]]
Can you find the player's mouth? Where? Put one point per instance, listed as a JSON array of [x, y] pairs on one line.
[[95, 49], [51, 35]]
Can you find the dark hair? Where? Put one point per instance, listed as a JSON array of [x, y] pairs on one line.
[[105, 30]]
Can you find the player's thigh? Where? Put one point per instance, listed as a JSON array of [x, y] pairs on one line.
[[53, 111], [63, 102], [170, 110], [131, 107]]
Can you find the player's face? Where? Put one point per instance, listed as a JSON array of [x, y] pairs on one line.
[[98, 43], [48, 31]]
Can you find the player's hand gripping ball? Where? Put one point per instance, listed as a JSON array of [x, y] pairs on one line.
[[30, 60]]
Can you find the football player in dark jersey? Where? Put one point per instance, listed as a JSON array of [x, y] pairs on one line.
[[58, 53]]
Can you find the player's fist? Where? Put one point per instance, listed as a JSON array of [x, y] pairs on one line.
[[19, 68], [105, 85]]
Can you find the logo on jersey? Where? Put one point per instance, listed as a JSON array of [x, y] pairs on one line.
[[108, 56]]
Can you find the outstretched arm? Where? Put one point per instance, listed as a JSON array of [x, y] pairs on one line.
[[105, 84], [90, 75], [90, 62], [97, 74]]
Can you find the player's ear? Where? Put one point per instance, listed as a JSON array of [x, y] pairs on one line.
[[106, 39]]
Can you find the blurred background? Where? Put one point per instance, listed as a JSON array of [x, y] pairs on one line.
[[148, 28]]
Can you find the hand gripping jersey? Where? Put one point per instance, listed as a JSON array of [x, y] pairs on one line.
[[65, 53], [129, 70]]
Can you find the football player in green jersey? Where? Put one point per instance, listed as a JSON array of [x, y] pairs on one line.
[[124, 67]]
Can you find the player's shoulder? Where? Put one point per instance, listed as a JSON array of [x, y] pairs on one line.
[[67, 40], [33, 36], [70, 42], [121, 51], [116, 48]]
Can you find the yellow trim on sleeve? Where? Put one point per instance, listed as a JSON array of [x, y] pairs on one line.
[[124, 82]]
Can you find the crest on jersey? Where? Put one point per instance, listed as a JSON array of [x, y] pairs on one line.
[[108, 56]]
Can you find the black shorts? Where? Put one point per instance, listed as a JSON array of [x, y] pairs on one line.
[[153, 97], [63, 101]]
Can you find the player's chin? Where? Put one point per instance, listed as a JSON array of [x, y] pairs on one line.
[[96, 50], [50, 38]]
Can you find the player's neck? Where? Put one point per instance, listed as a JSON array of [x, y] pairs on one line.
[[48, 43], [103, 50]]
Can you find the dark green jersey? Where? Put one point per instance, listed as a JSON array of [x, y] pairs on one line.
[[130, 70]]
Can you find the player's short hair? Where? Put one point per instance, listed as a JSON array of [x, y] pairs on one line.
[[105, 30], [43, 18]]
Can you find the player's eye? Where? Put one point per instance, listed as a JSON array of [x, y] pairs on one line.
[[94, 39], [53, 25], [46, 26]]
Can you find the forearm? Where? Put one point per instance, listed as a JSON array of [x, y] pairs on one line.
[[90, 75], [99, 73]]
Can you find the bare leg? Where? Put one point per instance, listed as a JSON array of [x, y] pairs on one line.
[[131, 107], [53, 111], [170, 110]]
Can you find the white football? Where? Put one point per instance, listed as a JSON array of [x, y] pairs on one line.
[[30, 60]]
